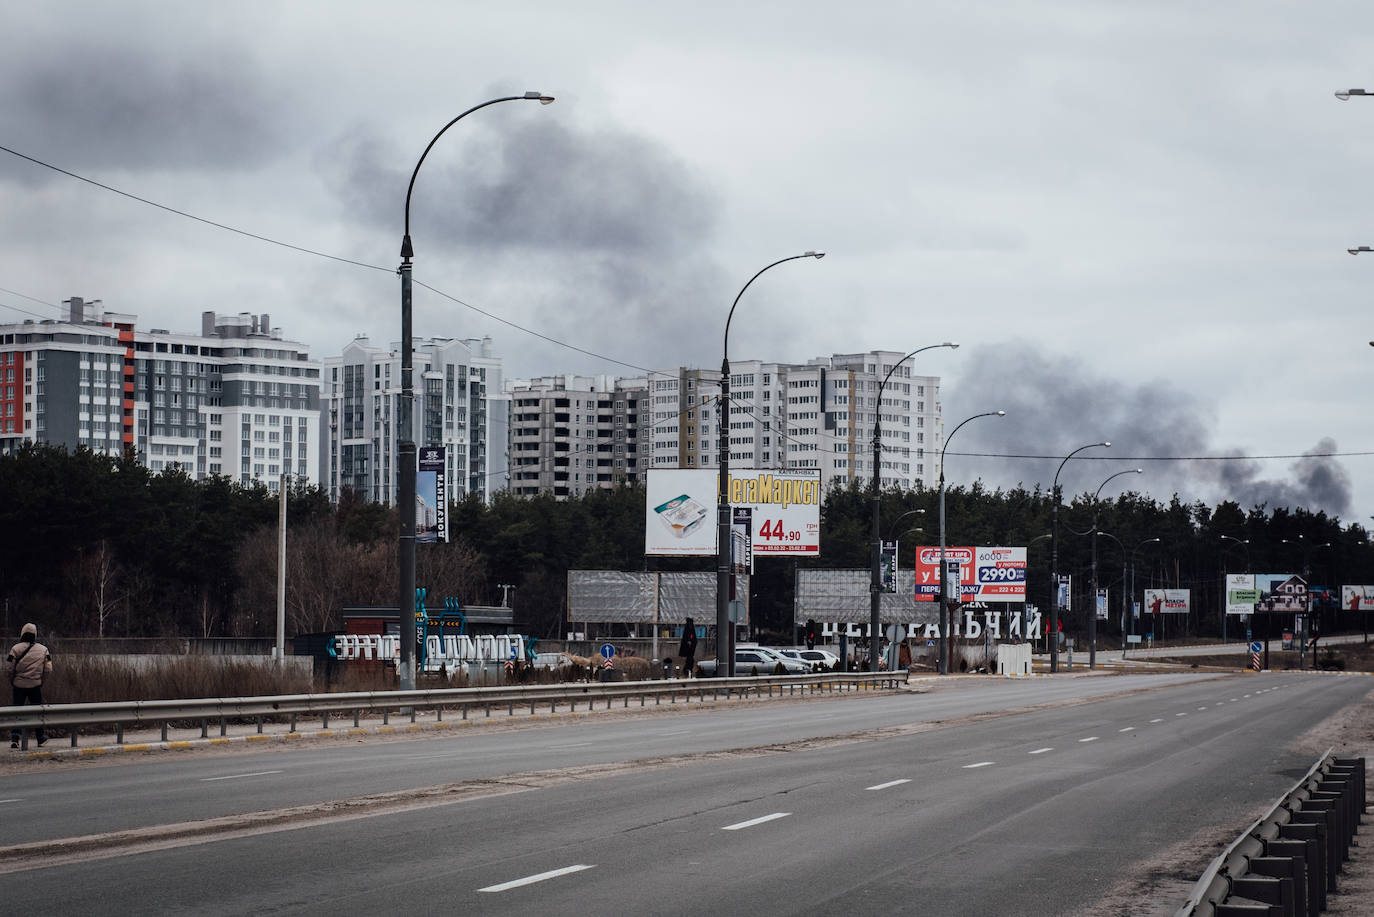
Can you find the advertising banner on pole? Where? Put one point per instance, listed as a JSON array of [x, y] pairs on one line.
[[1102, 604], [889, 566], [741, 543], [1168, 601], [986, 574], [681, 506], [1241, 594], [1357, 598], [1064, 593], [431, 497]]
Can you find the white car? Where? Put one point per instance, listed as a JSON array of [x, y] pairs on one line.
[[758, 660], [818, 659]]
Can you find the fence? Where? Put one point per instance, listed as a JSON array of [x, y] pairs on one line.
[[144, 714], [1287, 862]]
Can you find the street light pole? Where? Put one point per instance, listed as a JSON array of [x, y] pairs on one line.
[[1133, 550], [1122, 616], [1054, 558], [875, 586], [1092, 618], [1245, 543], [725, 658], [405, 433], [946, 614]]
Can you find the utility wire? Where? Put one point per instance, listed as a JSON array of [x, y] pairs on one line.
[[306, 251]]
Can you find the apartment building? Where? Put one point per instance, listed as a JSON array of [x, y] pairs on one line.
[[234, 400], [573, 434], [459, 403]]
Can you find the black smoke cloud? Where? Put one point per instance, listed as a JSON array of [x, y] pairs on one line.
[[1054, 405], [111, 107], [598, 237]]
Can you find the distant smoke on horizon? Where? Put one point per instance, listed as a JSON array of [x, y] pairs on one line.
[[1054, 406]]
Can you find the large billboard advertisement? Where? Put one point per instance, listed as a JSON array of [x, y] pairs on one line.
[[1281, 593], [1241, 594], [785, 511], [1167, 601], [1357, 598], [986, 574]]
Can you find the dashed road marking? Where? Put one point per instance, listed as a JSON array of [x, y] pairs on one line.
[[755, 821], [1089, 739], [238, 776], [1127, 729], [979, 764], [1040, 751], [890, 783], [530, 880]]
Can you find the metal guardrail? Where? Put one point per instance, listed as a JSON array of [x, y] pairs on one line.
[[1286, 863], [143, 714]]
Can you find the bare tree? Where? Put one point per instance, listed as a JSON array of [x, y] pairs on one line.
[[95, 577]]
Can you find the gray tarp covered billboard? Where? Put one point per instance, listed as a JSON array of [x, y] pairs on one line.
[[842, 597], [610, 596]]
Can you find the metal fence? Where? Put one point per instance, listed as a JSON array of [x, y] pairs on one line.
[[1288, 861], [119, 716]]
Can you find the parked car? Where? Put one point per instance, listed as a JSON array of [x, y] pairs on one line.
[[758, 660], [819, 660]]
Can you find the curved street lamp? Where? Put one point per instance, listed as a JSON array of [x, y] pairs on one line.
[[725, 657], [1138, 546], [1054, 557], [405, 433], [1244, 543], [946, 613], [1092, 618], [875, 584]]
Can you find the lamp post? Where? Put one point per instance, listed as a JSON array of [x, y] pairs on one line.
[[405, 434], [1122, 616], [946, 616], [1244, 543], [1092, 618], [1054, 557], [875, 585], [1138, 546], [725, 658], [1345, 94]]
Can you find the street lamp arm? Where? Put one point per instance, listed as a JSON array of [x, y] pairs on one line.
[[956, 430], [808, 254], [1104, 445], [911, 512], [406, 250], [1117, 475]]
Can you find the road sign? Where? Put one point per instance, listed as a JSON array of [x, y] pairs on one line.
[[895, 633], [1255, 648], [607, 651]]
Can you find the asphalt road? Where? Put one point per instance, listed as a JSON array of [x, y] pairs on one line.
[[852, 806]]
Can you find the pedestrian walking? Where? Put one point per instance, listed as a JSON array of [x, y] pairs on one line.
[[687, 649], [27, 666]]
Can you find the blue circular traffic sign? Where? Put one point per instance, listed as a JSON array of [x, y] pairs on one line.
[[1256, 647], [607, 651]]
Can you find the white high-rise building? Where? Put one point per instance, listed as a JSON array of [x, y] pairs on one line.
[[459, 404], [235, 400]]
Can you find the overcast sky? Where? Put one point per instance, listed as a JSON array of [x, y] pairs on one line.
[[1132, 216]]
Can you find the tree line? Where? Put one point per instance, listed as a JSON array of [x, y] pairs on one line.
[[95, 545]]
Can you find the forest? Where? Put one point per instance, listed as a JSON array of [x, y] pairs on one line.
[[96, 546]]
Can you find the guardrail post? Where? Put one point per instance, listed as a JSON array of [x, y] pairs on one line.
[[1313, 835], [355, 717], [1265, 889], [324, 719], [1305, 869], [204, 728], [164, 730], [293, 723], [223, 727], [119, 733]]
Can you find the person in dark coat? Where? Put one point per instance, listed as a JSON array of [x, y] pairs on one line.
[[687, 649]]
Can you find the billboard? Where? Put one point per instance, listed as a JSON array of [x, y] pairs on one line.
[[1281, 593], [986, 574], [1241, 594], [1357, 598], [680, 512], [1167, 601], [431, 497]]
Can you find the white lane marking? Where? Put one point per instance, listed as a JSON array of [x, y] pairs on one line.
[[238, 776], [571, 745], [676, 732], [979, 764], [1202, 708], [16, 799], [530, 880], [1156, 720], [755, 821], [1247, 695], [1039, 751], [1180, 714], [890, 783], [1127, 729], [1089, 739], [1233, 700]]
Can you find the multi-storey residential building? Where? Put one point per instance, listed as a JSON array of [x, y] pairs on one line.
[[572, 434], [235, 400], [813, 416], [459, 404]]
